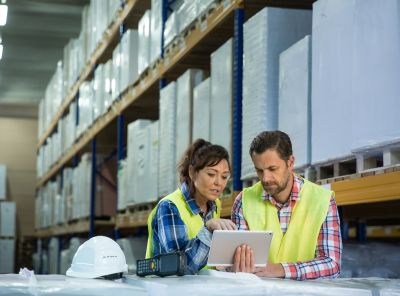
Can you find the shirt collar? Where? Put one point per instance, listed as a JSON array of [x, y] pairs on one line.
[[191, 202], [298, 182]]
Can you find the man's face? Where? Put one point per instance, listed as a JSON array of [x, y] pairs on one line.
[[273, 172]]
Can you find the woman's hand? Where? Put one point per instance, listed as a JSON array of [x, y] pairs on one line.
[[220, 224]]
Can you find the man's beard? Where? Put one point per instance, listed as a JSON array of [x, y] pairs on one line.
[[277, 188]]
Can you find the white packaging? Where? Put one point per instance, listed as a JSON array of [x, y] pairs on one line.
[[155, 30], [134, 249], [7, 218], [53, 250], [7, 256], [348, 70], [108, 90], [171, 28], [201, 114], [265, 36], [221, 96], [167, 173], [122, 184], [144, 42], [3, 181], [116, 73], [154, 161], [186, 14], [184, 97], [99, 91], [138, 159], [129, 58], [295, 98]]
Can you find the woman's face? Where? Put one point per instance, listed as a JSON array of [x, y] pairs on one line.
[[211, 181]]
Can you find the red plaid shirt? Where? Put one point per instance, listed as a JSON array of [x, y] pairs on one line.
[[329, 246]]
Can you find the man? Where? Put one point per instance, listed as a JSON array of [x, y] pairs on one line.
[[303, 216]]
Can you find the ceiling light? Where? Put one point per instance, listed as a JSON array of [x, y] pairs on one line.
[[3, 14]]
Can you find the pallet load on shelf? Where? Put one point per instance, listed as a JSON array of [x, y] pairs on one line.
[[167, 177], [7, 236], [129, 58], [266, 35], [134, 249], [221, 96], [116, 73], [348, 70], [122, 183], [186, 14], [142, 187], [295, 99], [201, 103], [171, 28], [85, 105], [144, 42], [53, 250], [155, 29], [3, 181], [184, 113]]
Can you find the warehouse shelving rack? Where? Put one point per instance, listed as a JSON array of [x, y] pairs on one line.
[[140, 100]]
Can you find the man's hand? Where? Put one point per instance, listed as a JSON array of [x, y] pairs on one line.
[[220, 224], [274, 270], [243, 260]]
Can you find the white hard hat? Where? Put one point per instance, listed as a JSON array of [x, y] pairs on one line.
[[98, 257]]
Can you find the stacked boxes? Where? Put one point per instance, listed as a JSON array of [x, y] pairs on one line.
[[129, 58], [155, 29], [295, 98], [185, 84], [167, 176], [7, 236], [266, 35], [201, 116], [144, 42], [221, 96]]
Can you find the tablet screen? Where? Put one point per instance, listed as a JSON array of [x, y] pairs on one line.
[[225, 242]]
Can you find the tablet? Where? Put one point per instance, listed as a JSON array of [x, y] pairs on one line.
[[225, 242]]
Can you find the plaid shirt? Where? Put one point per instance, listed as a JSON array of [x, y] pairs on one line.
[[329, 246], [170, 234]]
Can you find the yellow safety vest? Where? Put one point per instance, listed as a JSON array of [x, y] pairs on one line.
[[300, 240], [193, 222]]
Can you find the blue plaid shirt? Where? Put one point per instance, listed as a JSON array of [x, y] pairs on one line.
[[170, 234]]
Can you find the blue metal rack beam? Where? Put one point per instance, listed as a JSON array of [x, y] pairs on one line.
[[237, 98]]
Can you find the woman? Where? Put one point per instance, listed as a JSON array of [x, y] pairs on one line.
[[185, 219]]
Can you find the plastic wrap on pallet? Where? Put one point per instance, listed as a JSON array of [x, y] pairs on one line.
[[7, 219], [221, 95], [186, 14], [154, 160], [122, 184], [201, 118], [155, 30], [7, 255], [167, 176], [295, 98], [138, 160], [144, 42], [171, 28], [3, 181], [85, 102], [266, 35], [129, 58], [184, 112], [134, 249]]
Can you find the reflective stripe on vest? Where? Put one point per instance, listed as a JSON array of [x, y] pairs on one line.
[[193, 222], [300, 240]]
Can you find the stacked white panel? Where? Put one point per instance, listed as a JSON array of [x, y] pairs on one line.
[[144, 42], [156, 30], [154, 161], [129, 58], [295, 98], [221, 96], [138, 157], [116, 72], [134, 249], [7, 256], [184, 97], [167, 176], [349, 71], [98, 91], [171, 28], [201, 116], [7, 219], [3, 181], [53, 250], [266, 35], [186, 14]]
